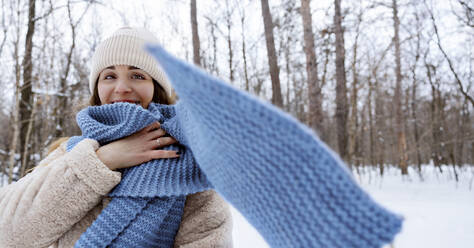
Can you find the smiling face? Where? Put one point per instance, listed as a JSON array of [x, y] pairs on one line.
[[123, 83]]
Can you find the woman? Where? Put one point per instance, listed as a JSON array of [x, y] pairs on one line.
[[287, 183], [56, 203]]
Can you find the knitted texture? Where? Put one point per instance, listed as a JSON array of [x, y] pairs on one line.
[[148, 203], [288, 184]]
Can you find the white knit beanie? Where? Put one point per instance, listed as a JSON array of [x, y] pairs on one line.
[[126, 47]]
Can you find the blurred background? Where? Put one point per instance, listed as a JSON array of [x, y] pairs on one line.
[[382, 82], [387, 84]]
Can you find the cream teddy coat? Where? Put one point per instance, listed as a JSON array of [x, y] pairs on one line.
[[59, 200]]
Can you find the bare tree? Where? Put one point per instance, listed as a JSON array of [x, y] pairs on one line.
[[414, 93], [371, 122], [16, 131], [341, 89], [16, 107], [431, 88], [467, 15], [63, 99], [272, 58], [228, 21], [353, 120], [26, 102], [4, 27], [450, 63], [29, 130], [314, 88], [288, 48], [399, 127], [326, 52], [196, 42], [379, 141], [244, 47], [213, 66], [464, 133], [437, 106]]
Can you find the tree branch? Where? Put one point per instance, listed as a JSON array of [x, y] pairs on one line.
[[450, 63]]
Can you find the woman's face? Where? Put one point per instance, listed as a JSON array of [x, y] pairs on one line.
[[123, 83]]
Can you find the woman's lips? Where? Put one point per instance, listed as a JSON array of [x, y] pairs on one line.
[[127, 100]]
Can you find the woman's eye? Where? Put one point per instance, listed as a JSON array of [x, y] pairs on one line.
[[108, 77], [138, 76]]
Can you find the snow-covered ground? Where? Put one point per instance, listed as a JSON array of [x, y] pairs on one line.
[[438, 212]]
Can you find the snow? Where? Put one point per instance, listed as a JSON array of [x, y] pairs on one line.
[[438, 211], [3, 179], [245, 235]]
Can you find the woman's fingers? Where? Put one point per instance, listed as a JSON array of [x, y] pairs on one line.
[[155, 137], [155, 154], [137, 148], [152, 126], [162, 142], [155, 134]]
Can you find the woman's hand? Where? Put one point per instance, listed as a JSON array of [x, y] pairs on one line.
[[137, 148]]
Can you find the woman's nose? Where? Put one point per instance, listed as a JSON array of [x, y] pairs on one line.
[[122, 86]]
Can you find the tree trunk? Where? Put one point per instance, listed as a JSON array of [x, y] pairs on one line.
[[314, 88], [196, 42], [436, 155], [228, 20], [15, 135], [379, 140], [414, 100], [415, 125], [272, 58], [5, 28], [461, 133], [213, 65], [26, 89], [325, 135], [289, 74], [399, 127], [16, 109], [25, 168], [341, 90], [380, 127], [353, 120], [361, 157], [244, 52], [371, 124]]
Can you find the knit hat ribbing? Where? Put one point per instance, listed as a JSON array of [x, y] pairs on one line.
[[126, 47]]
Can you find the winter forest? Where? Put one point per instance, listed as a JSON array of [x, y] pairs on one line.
[[387, 84]]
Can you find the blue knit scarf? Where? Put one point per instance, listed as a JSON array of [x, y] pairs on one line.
[[287, 183], [148, 203]]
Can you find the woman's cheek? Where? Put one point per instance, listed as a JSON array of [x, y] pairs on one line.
[[103, 92]]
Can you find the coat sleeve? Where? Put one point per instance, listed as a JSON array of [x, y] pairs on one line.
[[206, 222], [39, 208]]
